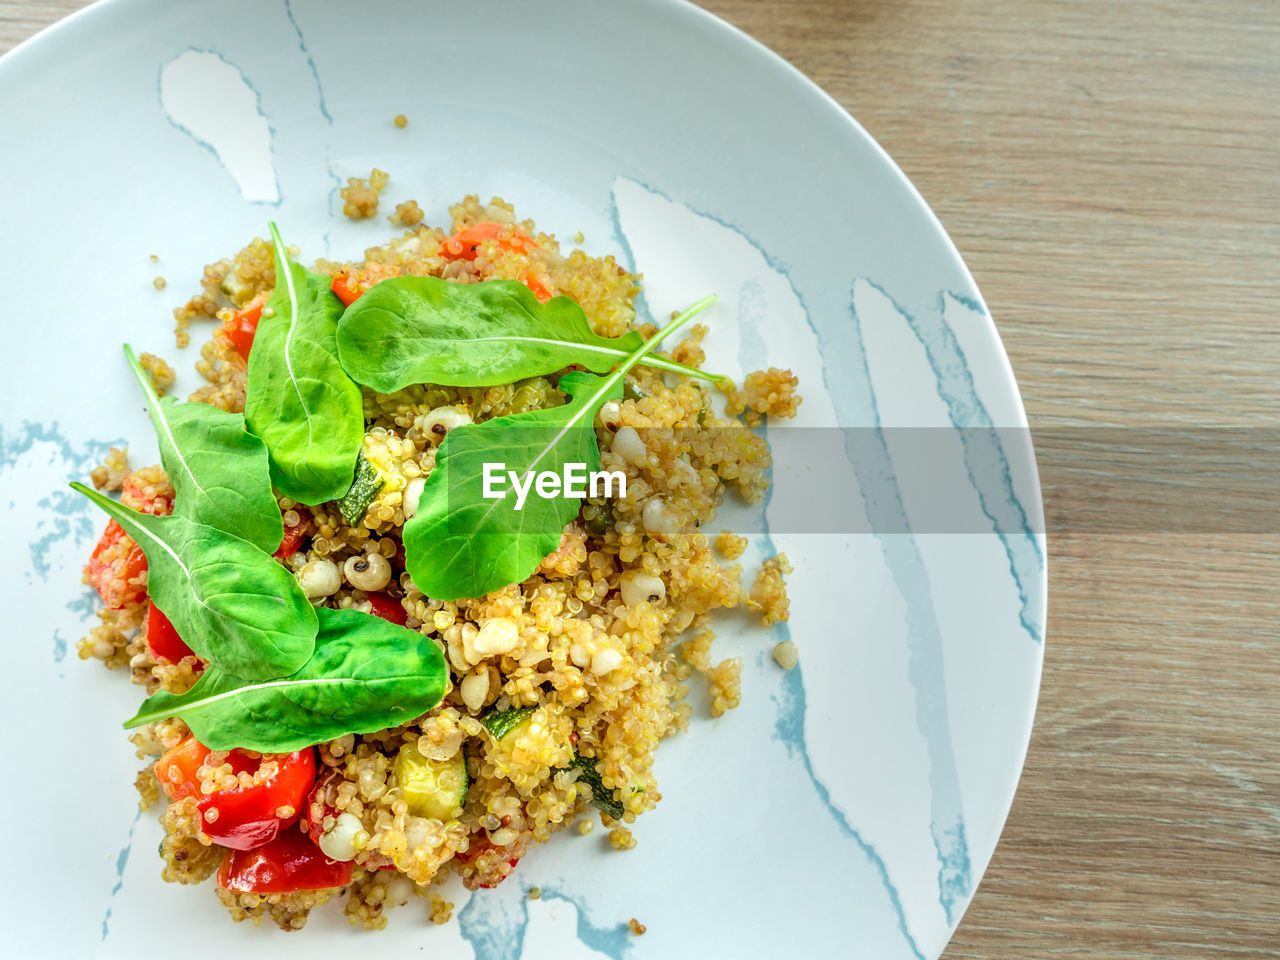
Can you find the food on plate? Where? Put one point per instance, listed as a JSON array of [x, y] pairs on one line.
[[372, 659]]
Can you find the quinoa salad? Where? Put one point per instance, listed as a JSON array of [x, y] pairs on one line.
[[371, 664]]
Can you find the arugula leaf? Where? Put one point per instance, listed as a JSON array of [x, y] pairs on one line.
[[218, 469], [366, 674], [460, 544], [409, 330], [232, 604], [300, 401]]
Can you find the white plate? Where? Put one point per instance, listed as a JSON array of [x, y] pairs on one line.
[[848, 807]]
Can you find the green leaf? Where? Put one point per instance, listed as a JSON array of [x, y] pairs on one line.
[[232, 604], [299, 399], [218, 469], [462, 544], [366, 674], [409, 330]]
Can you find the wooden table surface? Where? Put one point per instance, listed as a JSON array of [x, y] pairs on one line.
[[1111, 173]]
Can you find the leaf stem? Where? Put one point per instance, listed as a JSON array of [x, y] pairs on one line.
[[152, 399], [676, 323], [660, 363]]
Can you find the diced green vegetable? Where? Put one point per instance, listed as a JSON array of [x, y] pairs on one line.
[[598, 518], [503, 724], [366, 485], [431, 788], [605, 800]]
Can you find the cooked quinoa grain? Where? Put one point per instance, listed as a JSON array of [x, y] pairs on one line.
[[768, 595], [159, 372], [159, 283], [730, 545], [401, 120], [604, 640], [360, 197], [408, 214]]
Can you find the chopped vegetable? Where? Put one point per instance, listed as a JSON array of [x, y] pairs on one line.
[[246, 817], [350, 287], [294, 536], [178, 769], [162, 639], [465, 244], [388, 609], [604, 799], [287, 864], [481, 844], [364, 488], [504, 723], [431, 788], [117, 568], [316, 810], [240, 328], [536, 287], [346, 288]]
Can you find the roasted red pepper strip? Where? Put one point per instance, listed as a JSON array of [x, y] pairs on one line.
[[312, 817], [248, 817], [347, 288], [388, 609], [115, 568], [163, 640], [479, 845], [178, 769], [537, 287], [294, 536], [242, 328], [287, 863], [464, 244]]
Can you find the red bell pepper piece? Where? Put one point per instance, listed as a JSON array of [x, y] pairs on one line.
[[346, 287], [479, 845], [115, 568], [388, 609], [248, 817], [464, 244], [537, 287], [287, 863], [163, 640], [177, 770], [351, 287], [294, 536], [133, 494], [243, 327]]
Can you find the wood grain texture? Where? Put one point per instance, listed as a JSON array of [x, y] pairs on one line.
[[1110, 172]]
